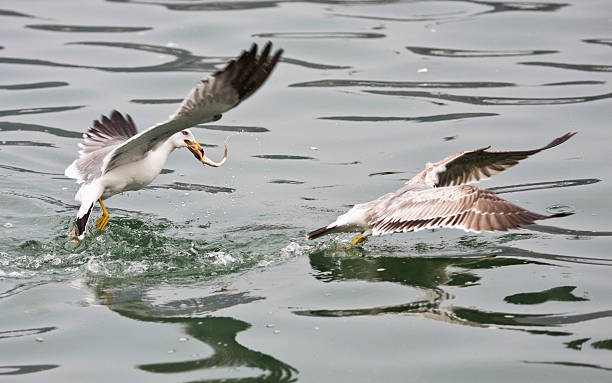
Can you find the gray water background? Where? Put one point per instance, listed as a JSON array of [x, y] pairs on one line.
[[206, 276]]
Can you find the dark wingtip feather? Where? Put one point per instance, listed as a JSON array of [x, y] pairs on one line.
[[559, 140]]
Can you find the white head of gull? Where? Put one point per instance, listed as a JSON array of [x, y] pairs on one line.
[[439, 197], [115, 158]]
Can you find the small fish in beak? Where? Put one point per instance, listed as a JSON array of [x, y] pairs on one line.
[[197, 150]]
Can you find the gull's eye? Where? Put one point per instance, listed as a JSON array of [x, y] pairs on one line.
[[185, 133]]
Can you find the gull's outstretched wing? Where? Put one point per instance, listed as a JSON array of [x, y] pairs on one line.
[[474, 165], [465, 207], [103, 137], [206, 102]]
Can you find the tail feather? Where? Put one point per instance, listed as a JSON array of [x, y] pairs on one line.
[[80, 226], [319, 232]]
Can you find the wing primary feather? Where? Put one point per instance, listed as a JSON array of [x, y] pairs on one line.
[[477, 164]]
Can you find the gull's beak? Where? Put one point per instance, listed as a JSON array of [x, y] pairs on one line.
[[197, 150]]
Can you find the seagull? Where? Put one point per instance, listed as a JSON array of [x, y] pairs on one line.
[[439, 197], [115, 158]]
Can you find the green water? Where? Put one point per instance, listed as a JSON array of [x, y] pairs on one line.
[[206, 275]]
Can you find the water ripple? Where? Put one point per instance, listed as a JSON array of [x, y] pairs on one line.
[[25, 332], [416, 18], [483, 100], [432, 118], [23, 170], [232, 128], [86, 28], [399, 84], [566, 83], [184, 61], [156, 101], [509, 6], [183, 186], [35, 85], [569, 364], [496, 7], [580, 67], [6, 126], [282, 157], [448, 52], [51, 109], [208, 6], [26, 369], [321, 35], [5, 12], [599, 41], [286, 182], [27, 143]]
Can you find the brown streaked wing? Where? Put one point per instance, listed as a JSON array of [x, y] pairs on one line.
[[465, 207]]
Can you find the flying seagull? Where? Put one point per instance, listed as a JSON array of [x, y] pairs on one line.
[[115, 158], [439, 197]]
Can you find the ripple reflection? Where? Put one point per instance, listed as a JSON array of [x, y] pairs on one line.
[[86, 28], [6, 126], [320, 35], [399, 84], [580, 67], [35, 85], [448, 52], [483, 100], [432, 118], [184, 61], [192, 316], [51, 109]]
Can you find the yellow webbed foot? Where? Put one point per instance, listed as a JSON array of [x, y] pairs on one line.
[[355, 245], [104, 220], [359, 240]]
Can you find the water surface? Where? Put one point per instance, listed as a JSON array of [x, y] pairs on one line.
[[206, 275]]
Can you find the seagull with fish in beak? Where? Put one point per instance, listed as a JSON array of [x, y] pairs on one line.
[[115, 158]]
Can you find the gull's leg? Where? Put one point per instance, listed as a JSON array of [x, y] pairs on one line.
[[104, 220], [355, 243], [358, 240]]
